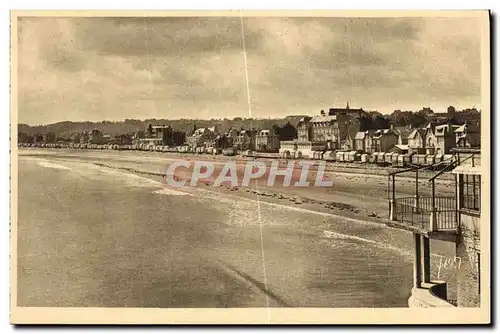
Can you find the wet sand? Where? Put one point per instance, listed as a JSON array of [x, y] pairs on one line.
[[104, 229]]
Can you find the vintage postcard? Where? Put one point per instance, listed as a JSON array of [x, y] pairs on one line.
[[250, 167]]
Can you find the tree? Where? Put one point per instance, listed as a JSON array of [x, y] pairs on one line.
[[179, 137], [285, 132], [398, 118], [381, 122], [365, 123]]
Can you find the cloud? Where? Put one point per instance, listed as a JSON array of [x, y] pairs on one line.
[[173, 36], [117, 68]]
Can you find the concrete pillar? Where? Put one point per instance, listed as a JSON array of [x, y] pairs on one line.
[[426, 260], [392, 212], [417, 261], [416, 204], [433, 220]]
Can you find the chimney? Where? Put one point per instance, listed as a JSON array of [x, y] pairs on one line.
[[450, 125]]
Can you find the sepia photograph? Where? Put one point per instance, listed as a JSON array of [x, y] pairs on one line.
[[250, 167]]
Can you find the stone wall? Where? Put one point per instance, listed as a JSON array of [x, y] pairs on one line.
[[429, 295], [468, 249]]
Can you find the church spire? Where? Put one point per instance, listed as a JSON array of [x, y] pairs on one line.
[[347, 105]]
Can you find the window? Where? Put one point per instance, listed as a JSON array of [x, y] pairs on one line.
[[470, 192]]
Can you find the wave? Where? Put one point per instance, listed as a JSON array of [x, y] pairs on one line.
[[172, 192], [341, 236], [131, 179], [52, 165], [134, 180]]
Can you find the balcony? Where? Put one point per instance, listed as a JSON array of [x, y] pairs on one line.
[[427, 215], [433, 216], [422, 213], [432, 294]]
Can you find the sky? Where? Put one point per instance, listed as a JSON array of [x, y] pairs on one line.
[[94, 69]]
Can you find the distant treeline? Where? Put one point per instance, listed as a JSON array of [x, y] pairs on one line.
[[285, 127], [374, 120]]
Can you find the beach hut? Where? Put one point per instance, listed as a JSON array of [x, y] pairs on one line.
[[401, 161], [339, 156], [329, 156], [429, 159], [349, 156], [229, 151], [447, 159], [404, 160], [422, 159], [395, 157], [364, 158], [414, 159], [345, 156], [387, 158], [381, 158], [286, 154], [373, 157]]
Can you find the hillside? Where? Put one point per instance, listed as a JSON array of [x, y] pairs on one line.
[[130, 126]]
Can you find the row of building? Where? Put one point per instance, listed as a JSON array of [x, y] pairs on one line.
[[209, 137], [434, 138], [332, 133], [334, 130]]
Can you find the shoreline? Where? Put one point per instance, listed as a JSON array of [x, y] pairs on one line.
[[359, 203], [365, 168], [354, 194], [269, 196]]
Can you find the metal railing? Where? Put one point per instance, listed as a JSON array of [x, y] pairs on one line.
[[418, 212]]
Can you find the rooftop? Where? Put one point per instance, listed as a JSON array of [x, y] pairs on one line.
[[404, 131], [360, 135], [420, 132], [321, 118]]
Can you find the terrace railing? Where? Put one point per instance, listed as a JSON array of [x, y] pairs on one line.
[[427, 213], [432, 213]]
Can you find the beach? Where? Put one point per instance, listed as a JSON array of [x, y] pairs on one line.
[[110, 231]]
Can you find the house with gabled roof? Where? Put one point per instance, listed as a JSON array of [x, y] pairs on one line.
[[430, 141], [416, 141], [385, 139], [267, 141], [468, 135], [200, 136], [445, 138], [359, 141], [245, 140], [403, 134], [369, 143], [304, 129]]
